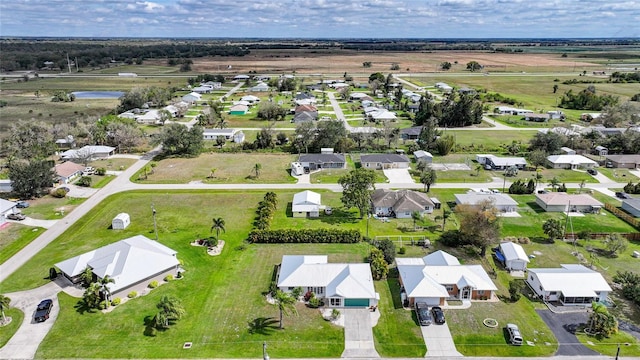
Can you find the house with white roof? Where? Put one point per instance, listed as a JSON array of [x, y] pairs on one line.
[[128, 262], [192, 97], [512, 255], [422, 155], [501, 163], [88, 153], [6, 207], [235, 135], [337, 284], [439, 276], [250, 99], [563, 202], [502, 202], [570, 162], [306, 204], [571, 284], [260, 86]]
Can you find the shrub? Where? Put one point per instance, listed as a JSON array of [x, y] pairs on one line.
[[515, 289], [84, 181], [168, 278], [101, 171], [103, 304], [402, 250], [58, 193], [116, 301], [132, 294], [153, 284], [296, 292], [304, 236], [308, 295], [388, 248], [315, 302], [335, 314]]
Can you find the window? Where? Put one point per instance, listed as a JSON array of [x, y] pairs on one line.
[[480, 292], [336, 301], [541, 287], [449, 288]]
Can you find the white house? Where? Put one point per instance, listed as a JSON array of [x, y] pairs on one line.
[[192, 97], [571, 284], [513, 256], [502, 202], [5, 185], [384, 161], [250, 99], [339, 285], [121, 221], [306, 204], [128, 262], [260, 86], [88, 153], [228, 134], [6, 207], [502, 163], [439, 276], [570, 162]]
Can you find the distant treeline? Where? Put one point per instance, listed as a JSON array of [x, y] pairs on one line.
[[36, 55]]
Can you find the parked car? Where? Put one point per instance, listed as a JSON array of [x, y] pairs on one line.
[[622, 195], [592, 171], [424, 316], [89, 170], [43, 310], [22, 204], [16, 216], [514, 334], [543, 192], [438, 315]]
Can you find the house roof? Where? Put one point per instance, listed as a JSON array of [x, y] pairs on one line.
[[239, 107], [412, 131], [513, 251], [440, 258], [307, 107], [401, 200], [68, 168], [6, 205], [570, 159], [383, 114], [572, 279], [562, 198], [634, 158], [89, 149], [345, 280], [127, 261], [305, 116], [322, 158], [421, 154], [219, 132], [194, 95], [306, 201], [633, 202], [476, 197], [383, 158], [250, 98], [507, 161]]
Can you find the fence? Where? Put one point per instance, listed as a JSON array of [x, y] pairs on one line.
[[401, 240], [623, 215]]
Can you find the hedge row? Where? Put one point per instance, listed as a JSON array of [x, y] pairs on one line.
[[303, 236]]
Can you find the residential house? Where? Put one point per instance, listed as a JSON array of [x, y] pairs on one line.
[[241, 77], [238, 109], [68, 171], [337, 284], [252, 100], [571, 284], [311, 162], [172, 109], [507, 110], [88, 153], [203, 89], [563, 202], [358, 96], [623, 161], [131, 263], [6, 207], [305, 116], [150, 117], [260, 86], [66, 143], [501, 163], [537, 117], [502, 202], [570, 162], [384, 161], [556, 114], [192, 97], [423, 156], [439, 276], [412, 133], [306, 204], [382, 115], [5, 185], [400, 203], [632, 206], [512, 255], [443, 87], [229, 134]]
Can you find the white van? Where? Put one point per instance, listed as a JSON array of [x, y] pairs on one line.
[[514, 334]]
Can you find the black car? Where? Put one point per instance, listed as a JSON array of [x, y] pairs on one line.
[[438, 314], [592, 172], [43, 310], [22, 204], [424, 316], [622, 195]]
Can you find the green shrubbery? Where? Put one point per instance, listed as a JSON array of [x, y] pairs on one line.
[[153, 284], [304, 236], [132, 294], [168, 278], [116, 301]]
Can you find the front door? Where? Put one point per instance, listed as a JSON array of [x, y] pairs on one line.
[[466, 293]]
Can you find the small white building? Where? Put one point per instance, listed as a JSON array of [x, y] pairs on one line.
[[571, 284], [297, 169], [422, 155], [121, 221], [514, 257], [306, 204]]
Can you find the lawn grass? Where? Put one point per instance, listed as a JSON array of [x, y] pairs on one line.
[[15, 237], [629, 345], [113, 164], [619, 175], [6, 332], [474, 142], [100, 181], [459, 176], [51, 208]]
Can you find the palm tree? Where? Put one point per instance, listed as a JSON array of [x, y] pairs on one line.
[[4, 304], [104, 288], [416, 216], [554, 183], [428, 177], [257, 167], [170, 308], [445, 215], [91, 296], [218, 224], [478, 168], [285, 303], [87, 276]]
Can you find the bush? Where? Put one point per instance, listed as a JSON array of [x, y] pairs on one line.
[[388, 248], [402, 251], [153, 284], [168, 278], [58, 193], [103, 304], [315, 302], [335, 314], [101, 171], [308, 295], [304, 236], [515, 289], [84, 181], [132, 294], [116, 301], [296, 292]]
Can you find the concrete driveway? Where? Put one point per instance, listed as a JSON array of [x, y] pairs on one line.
[[563, 326], [358, 334], [439, 341], [398, 176], [36, 222]]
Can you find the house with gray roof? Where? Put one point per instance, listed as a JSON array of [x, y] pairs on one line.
[[322, 161], [412, 133], [422, 155], [502, 202], [632, 206], [400, 203], [623, 161], [384, 161]]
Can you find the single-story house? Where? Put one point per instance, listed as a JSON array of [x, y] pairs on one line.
[[400, 203], [358, 96], [601, 150], [241, 77], [88, 152], [507, 110], [337, 284], [305, 116], [563, 202], [412, 133], [151, 117], [238, 109], [443, 87], [439, 276], [260, 86], [502, 163], [251, 99], [570, 162], [305, 108], [66, 143], [322, 161], [623, 161], [172, 109], [512, 255], [213, 84], [129, 262], [632, 206], [502, 202], [121, 221], [384, 161], [556, 114], [6, 207], [68, 171], [382, 115], [537, 117], [306, 204], [192, 97], [422, 155], [229, 134], [571, 284], [203, 89]]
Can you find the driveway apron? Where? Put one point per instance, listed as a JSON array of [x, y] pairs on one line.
[[358, 334], [562, 326], [439, 341]]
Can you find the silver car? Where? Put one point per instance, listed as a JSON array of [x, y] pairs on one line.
[[514, 334]]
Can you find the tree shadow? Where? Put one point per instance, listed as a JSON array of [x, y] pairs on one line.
[[263, 326], [82, 307], [150, 328]]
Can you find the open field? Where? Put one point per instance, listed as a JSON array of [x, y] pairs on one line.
[[14, 237]]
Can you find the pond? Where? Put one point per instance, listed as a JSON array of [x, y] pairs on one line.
[[97, 94]]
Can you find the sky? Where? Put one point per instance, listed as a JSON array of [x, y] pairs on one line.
[[322, 18]]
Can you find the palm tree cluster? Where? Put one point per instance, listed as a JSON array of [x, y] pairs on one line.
[[169, 309], [97, 291]]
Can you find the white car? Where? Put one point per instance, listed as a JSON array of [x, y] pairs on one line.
[[514, 334], [89, 170]]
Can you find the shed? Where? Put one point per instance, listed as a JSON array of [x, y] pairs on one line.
[[514, 256], [121, 221]]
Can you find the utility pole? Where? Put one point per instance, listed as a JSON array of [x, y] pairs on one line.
[[265, 356], [155, 225], [68, 63]]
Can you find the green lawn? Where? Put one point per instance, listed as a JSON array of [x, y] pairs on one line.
[[629, 345], [619, 175], [113, 164], [476, 142], [6, 332], [99, 181], [14, 238], [51, 208]]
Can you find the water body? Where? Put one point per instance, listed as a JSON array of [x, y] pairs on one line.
[[97, 94]]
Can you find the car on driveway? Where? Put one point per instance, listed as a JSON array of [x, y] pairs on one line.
[[622, 195], [43, 310], [514, 334], [16, 216], [438, 315], [592, 171], [22, 204], [422, 311]]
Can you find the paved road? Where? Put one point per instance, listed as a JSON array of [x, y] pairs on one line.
[[563, 327]]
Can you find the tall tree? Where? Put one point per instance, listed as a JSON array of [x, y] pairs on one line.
[[31, 178], [616, 243], [479, 223], [428, 177], [357, 187], [553, 229], [305, 133], [105, 289], [218, 225], [473, 66], [29, 140], [177, 139], [328, 135], [379, 266], [428, 134], [256, 168], [286, 304]]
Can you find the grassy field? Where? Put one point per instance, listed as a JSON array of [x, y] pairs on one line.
[[14, 238], [629, 345], [113, 164], [474, 142], [51, 208]]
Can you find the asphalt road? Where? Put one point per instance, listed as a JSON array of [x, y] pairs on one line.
[[563, 327]]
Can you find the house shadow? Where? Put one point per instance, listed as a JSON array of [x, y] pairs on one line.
[[535, 207], [394, 288], [263, 326]]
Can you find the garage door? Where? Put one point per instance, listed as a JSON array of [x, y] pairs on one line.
[[429, 301], [356, 302]]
